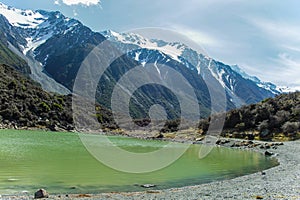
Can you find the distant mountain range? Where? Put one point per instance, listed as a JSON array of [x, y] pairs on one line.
[[49, 47], [232, 78]]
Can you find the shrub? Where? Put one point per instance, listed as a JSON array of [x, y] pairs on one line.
[[44, 106], [290, 127], [264, 125]]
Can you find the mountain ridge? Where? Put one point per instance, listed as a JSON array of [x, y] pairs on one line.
[[206, 66]]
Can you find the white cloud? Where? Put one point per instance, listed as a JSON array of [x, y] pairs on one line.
[[283, 33], [292, 48], [196, 35], [80, 2], [56, 2], [292, 64], [289, 69], [282, 69], [284, 37]]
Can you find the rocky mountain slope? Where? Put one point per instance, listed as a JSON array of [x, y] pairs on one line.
[[240, 87]]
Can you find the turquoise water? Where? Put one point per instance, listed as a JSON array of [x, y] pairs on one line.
[[59, 163]]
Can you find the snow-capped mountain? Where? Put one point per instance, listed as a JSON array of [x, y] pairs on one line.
[[55, 46], [30, 29], [230, 78], [37, 26], [21, 18], [30, 33]]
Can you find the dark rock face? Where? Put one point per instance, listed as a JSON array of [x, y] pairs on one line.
[[41, 193], [63, 54]]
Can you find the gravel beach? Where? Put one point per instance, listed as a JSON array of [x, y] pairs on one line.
[[280, 182]]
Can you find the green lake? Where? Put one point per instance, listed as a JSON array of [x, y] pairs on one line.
[[59, 162]]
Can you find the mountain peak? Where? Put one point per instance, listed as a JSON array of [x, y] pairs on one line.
[[239, 70], [131, 38], [134, 38], [265, 85], [37, 26], [32, 19], [173, 49], [21, 18]]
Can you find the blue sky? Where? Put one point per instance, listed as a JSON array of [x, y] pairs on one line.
[[263, 37]]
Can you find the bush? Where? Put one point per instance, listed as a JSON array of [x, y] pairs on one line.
[[12, 85], [264, 125], [290, 127], [44, 106]]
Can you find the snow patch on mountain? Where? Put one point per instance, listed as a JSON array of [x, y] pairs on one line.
[[37, 26], [217, 74], [33, 43], [285, 89], [156, 67], [198, 65], [21, 18], [174, 50]]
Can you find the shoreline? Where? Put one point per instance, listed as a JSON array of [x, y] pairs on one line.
[[279, 182]]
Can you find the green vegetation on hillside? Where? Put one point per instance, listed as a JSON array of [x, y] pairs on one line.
[[25, 104], [277, 118]]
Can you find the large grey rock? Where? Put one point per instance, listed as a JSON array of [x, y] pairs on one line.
[[41, 193]]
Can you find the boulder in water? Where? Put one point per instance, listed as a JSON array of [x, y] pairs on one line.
[[41, 193], [267, 153], [148, 185]]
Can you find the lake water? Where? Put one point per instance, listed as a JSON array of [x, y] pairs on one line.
[[58, 162]]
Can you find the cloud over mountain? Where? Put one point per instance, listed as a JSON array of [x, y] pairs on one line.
[[79, 2]]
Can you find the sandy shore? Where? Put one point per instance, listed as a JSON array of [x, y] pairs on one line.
[[281, 182]]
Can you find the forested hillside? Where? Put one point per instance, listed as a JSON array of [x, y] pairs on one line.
[[277, 117], [25, 104]]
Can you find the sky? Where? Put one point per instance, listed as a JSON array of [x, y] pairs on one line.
[[262, 37]]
